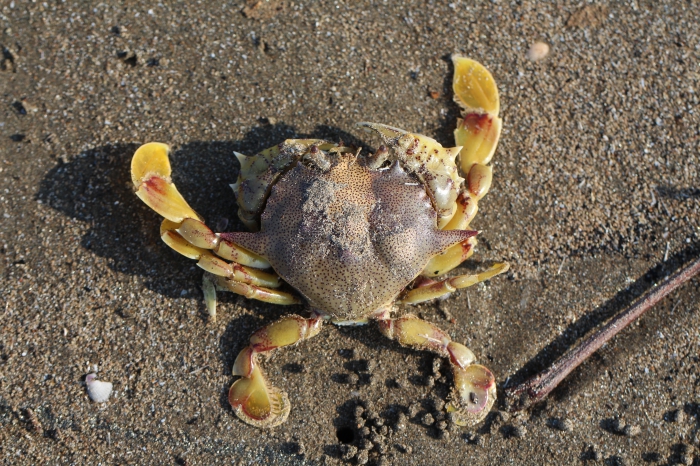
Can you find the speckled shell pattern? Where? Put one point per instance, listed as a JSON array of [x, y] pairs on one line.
[[349, 239]]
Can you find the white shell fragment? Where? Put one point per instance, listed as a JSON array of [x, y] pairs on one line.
[[98, 391], [538, 51]]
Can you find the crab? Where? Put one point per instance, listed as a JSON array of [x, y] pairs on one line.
[[352, 235]]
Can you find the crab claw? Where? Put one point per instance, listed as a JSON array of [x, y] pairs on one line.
[[478, 134], [479, 128], [256, 402], [474, 87], [150, 173], [473, 395]]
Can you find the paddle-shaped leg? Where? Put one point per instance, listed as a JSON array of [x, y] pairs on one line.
[[475, 387], [252, 397]]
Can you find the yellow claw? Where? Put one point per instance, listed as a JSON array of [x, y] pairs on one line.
[[150, 173], [478, 133], [433, 164], [474, 87], [479, 128], [253, 399], [151, 158]]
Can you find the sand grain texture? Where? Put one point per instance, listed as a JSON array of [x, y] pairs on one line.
[[596, 182]]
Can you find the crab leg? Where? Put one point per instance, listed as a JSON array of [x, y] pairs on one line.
[[479, 128], [185, 232], [183, 229], [475, 386], [477, 133], [449, 285], [192, 233], [214, 264], [224, 249], [251, 291], [451, 258], [252, 397], [212, 283]]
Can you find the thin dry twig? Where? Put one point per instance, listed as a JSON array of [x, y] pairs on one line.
[[536, 388]]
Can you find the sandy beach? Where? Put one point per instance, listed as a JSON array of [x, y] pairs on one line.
[[595, 197]]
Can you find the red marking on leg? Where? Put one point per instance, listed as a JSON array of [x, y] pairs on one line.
[[155, 184], [474, 182], [260, 342], [437, 286], [387, 327], [239, 268], [477, 122], [466, 249], [245, 362], [422, 282], [463, 200], [235, 402], [312, 326]]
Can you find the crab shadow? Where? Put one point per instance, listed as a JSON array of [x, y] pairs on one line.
[[583, 326], [450, 110], [95, 188]]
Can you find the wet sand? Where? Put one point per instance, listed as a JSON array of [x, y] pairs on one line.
[[595, 197]]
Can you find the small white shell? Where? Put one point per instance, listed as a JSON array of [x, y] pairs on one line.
[[538, 51], [98, 391]]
